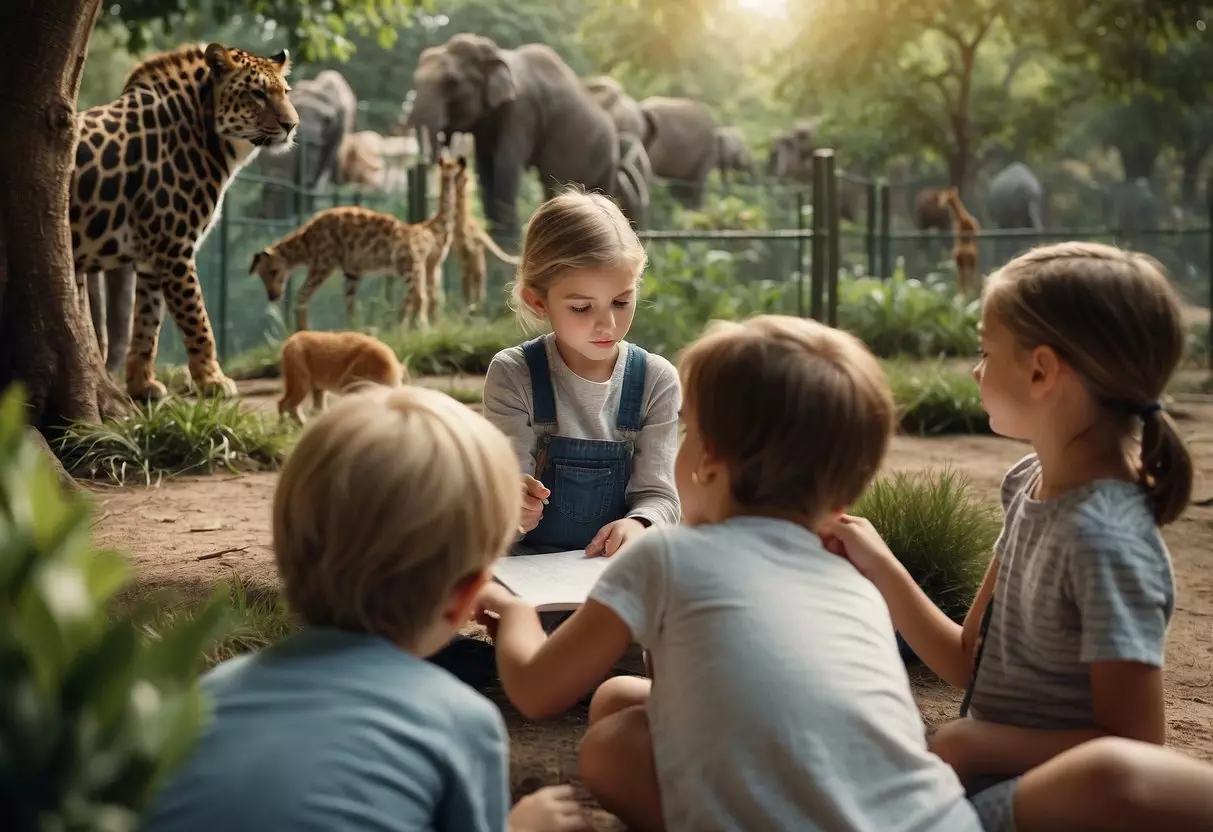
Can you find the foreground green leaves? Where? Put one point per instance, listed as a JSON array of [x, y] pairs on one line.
[[92, 714]]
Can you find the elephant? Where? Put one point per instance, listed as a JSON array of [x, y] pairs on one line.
[[1135, 209], [681, 142], [327, 110], [791, 157], [111, 301], [1014, 199], [525, 108], [628, 116], [733, 154]]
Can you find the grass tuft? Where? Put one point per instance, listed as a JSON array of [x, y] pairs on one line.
[[938, 529], [175, 436]]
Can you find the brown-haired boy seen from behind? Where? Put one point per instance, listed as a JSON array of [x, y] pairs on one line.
[[387, 519], [778, 699]]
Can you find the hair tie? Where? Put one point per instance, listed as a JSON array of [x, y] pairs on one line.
[[1151, 409]]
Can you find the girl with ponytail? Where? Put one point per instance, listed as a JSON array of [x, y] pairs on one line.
[[1064, 641]]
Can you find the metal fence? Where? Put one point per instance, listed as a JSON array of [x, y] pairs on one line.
[[787, 248]]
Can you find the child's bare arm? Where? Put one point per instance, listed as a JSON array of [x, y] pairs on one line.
[[541, 675]]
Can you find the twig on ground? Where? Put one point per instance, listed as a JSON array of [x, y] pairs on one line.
[[221, 553]]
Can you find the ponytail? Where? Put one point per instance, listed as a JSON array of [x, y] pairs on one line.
[[1166, 465]]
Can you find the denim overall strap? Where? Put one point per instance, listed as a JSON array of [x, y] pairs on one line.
[[631, 397], [543, 395]]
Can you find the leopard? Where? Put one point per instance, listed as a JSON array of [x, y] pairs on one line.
[[362, 241], [151, 170], [318, 362], [469, 246], [965, 228]]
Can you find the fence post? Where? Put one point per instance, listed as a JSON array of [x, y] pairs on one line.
[[833, 241], [800, 253], [221, 335], [821, 209], [886, 240], [873, 209]]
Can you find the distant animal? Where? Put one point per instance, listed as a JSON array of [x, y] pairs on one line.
[[791, 158], [469, 245], [681, 144], [1015, 197], [965, 228], [360, 242], [931, 210], [525, 108], [320, 362], [151, 170], [327, 109], [733, 154], [360, 160]]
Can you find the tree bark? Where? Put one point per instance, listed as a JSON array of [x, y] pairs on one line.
[[46, 339]]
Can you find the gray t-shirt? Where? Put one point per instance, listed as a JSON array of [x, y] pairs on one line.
[[779, 700], [1084, 577], [339, 732], [588, 410]]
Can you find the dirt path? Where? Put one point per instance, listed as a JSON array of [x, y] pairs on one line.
[[166, 529]]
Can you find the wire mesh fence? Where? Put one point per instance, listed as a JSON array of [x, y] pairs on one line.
[[747, 247]]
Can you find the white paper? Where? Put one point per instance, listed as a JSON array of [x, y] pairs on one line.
[[561, 580]]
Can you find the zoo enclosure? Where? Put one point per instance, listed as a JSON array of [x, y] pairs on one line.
[[796, 249]]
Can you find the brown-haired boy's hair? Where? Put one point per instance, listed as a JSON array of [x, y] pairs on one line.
[[800, 413], [1114, 317], [387, 502]]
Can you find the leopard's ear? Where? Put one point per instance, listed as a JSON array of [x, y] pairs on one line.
[[462, 161]]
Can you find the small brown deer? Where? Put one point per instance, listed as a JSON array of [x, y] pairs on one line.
[[965, 228]]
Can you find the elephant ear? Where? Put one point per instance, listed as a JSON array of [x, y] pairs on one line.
[[650, 128], [498, 84]]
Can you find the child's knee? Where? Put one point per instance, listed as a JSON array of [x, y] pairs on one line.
[[617, 693], [1116, 770]]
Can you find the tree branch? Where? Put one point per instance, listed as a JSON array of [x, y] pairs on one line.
[[1020, 57]]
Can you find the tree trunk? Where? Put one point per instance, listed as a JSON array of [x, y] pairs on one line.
[[1139, 158], [958, 160], [46, 339]]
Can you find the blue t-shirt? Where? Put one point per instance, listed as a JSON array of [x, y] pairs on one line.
[[331, 730]]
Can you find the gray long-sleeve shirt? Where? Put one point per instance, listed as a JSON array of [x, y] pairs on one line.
[[587, 410]]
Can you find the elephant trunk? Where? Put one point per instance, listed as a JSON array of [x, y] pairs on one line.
[[429, 118]]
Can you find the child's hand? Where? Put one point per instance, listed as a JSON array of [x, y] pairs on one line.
[[613, 535], [534, 495], [491, 602], [550, 809], [855, 539]]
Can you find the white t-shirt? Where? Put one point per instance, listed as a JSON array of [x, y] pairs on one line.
[[779, 699]]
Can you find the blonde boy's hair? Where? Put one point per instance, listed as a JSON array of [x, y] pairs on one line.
[[573, 230], [800, 413], [388, 501]]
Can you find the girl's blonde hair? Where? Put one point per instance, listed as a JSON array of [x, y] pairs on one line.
[[1114, 317], [572, 230]]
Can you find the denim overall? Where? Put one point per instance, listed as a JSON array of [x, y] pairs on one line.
[[588, 478]]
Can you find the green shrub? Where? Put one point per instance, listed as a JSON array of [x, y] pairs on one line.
[[1198, 345], [936, 527], [92, 715], [175, 436], [689, 285], [936, 400], [914, 318]]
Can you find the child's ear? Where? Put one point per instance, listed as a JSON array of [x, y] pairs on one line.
[[463, 597], [537, 305]]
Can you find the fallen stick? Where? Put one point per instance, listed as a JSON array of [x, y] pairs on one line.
[[221, 553]]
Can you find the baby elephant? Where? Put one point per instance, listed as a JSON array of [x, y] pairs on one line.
[[315, 362]]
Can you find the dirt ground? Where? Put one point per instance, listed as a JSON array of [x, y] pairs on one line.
[[166, 529]]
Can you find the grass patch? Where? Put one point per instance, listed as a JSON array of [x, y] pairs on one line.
[[935, 400], [941, 533], [175, 436], [256, 618], [465, 395]]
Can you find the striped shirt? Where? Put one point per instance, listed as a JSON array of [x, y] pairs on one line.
[[1083, 577]]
